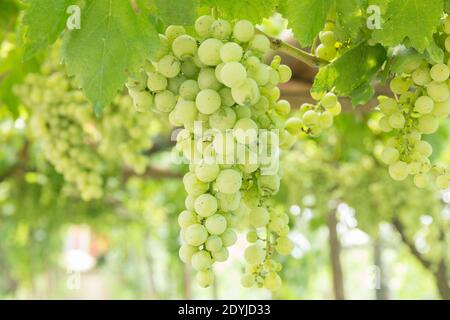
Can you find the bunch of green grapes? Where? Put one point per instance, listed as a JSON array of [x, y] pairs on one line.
[[79, 146], [58, 118], [313, 119], [328, 47], [422, 99], [217, 88]]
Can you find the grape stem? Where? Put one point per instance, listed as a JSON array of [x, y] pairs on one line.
[[297, 53]]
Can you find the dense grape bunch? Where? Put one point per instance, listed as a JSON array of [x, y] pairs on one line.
[[217, 88], [80, 146], [422, 99]]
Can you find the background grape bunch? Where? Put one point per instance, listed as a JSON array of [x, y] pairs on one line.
[[81, 147], [421, 99], [218, 81]]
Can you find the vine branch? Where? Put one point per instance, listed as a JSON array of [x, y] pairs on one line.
[[297, 53]]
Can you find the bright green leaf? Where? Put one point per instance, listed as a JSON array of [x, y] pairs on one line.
[[415, 20], [351, 72], [306, 17], [253, 10], [44, 20], [113, 40], [351, 16], [179, 12]]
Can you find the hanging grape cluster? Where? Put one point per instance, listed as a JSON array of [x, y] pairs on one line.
[[422, 99], [79, 146], [217, 88]]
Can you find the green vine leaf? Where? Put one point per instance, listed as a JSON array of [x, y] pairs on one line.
[[351, 17], [415, 20], [252, 10], [43, 22], [306, 17], [112, 41], [352, 73], [178, 12]]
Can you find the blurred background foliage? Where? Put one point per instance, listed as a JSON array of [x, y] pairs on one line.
[[357, 233]]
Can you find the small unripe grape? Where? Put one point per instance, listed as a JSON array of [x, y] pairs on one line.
[[399, 85], [399, 170], [165, 101], [229, 181], [173, 32], [201, 260], [233, 74], [207, 79], [390, 155], [252, 236], [260, 43], [216, 224], [326, 52], [184, 46], [221, 29], [310, 118], [243, 31], [438, 91], [259, 217], [443, 181], [195, 234], [294, 125], [229, 237], [397, 120], [189, 90], [194, 186], [442, 109], [283, 107], [245, 131], [186, 218], [420, 180], [209, 52], [231, 51], [254, 254], [214, 243], [284, 245], [327, 38], [440, 72], [143, 100], [246, 94], [156, 82], [205, 278], [326, 119], [387, 105], [335, 111], [272, 281], [205, 205], [208, 101], [421, 76], [221, 255], [424, 105], [185, 253], [203, 25], [285, 73], [428, 124], [424, 148]]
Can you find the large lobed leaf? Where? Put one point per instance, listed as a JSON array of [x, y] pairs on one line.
[[306, 17], [43, 20], [112, 40], [352, 73], [178, 12], [414, 20]]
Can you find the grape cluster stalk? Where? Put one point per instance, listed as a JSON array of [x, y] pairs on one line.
[[422, 99], [217, 89]]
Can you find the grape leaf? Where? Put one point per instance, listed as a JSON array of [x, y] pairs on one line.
[[351, 17], [415, 20], [112, 40], [253, 10], [352, 72], [306, 17], [447, 6], [179, 12], [43, 20]]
